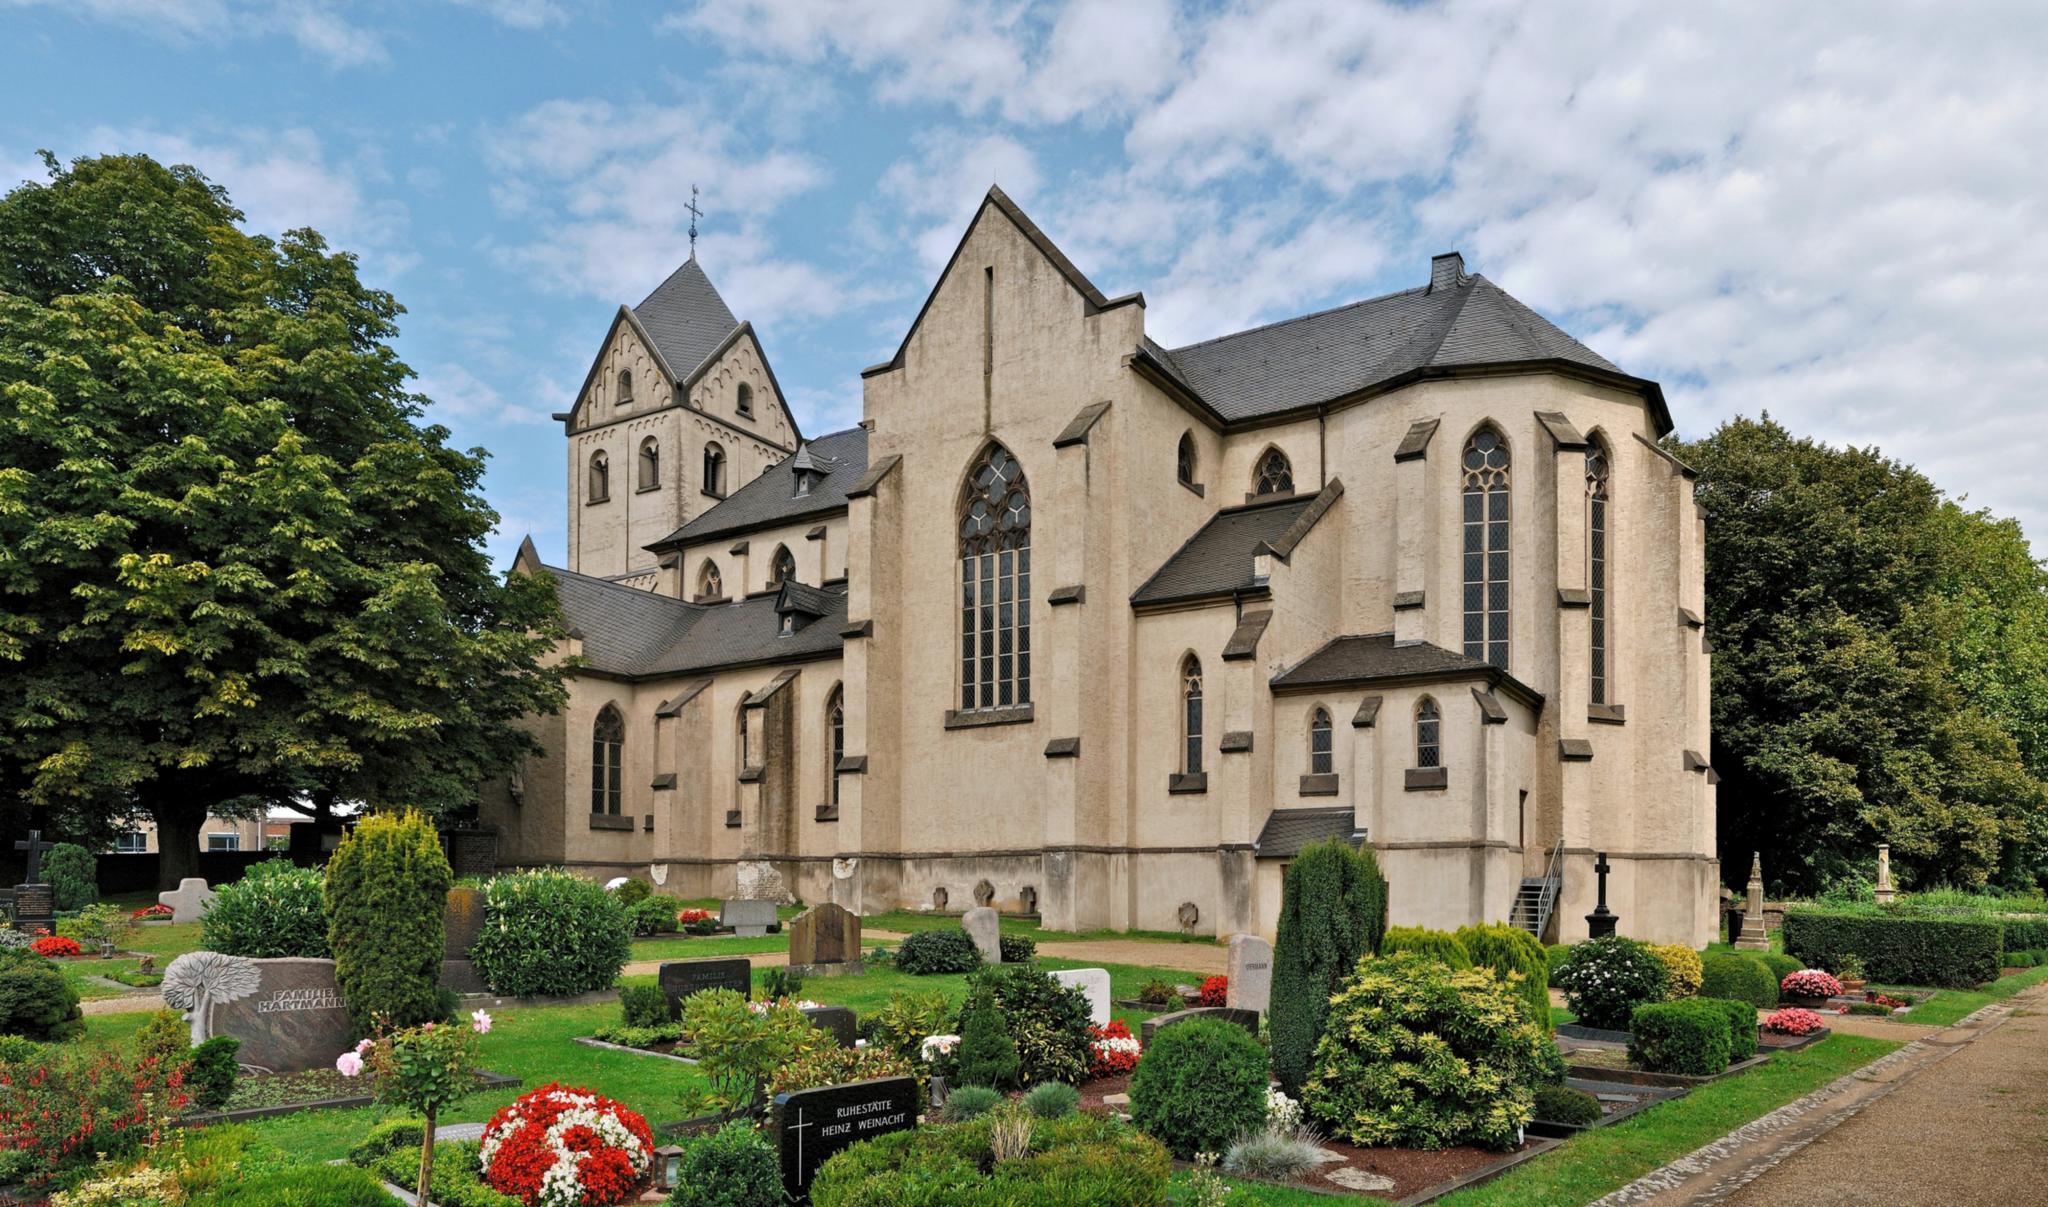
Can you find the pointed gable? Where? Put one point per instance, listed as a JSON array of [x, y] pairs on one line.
[[686, 318]]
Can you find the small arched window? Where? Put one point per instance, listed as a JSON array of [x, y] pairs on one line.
[[1428, 735], [1185, 459], [650, 463], [1276, 475], [600, 477], [607, 773], [744, 399], [1485, 485], [835, 738], [995, 584], [1596, 565], [1191, 715], [709, 585], [1320, 761], [714, 470], [781, 567], [625, 387]]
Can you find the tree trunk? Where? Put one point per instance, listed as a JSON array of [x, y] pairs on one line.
[[427, 1164], [177, 841]]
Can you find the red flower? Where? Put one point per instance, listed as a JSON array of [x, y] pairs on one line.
[[153, 911], [1810, 982], [1215, 991], [55, 945], [1112, 1050], [598, 1152]]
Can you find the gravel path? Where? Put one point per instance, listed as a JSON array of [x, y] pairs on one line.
[[1206, 958]]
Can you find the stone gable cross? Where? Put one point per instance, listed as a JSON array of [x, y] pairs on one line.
[[35, 846]]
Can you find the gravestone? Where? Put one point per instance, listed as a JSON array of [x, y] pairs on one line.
[[1248, 1019], [287, 1012], [461, 922], [824, 940], [982, 926], [1753, 936], [681, 978], [188, 901], [1094, 982], [750, 918], [1250, 970], [811, 1125], [836, 1019], [1885, 890], [1601, 922], [35, 903]]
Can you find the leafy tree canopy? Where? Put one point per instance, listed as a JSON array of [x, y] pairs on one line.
[[235, 566], [1880, 666]]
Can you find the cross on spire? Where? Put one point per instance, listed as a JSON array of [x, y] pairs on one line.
[[694, 213]]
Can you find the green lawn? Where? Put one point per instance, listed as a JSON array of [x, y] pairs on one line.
[[908, 921], [1952, 1005], [704, 947]]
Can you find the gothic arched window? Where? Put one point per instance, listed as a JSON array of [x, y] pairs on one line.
[[1429, 751], [650, 463], [1320, 761], [1596, 565], [744, 399], [995, 584], [1276, 476], [1185, 459], [600, 477], [714, 470], [835, 738], [1485, 485], [625, 387], [607, 748], [709, 584], [781, 567], [1191, 715]]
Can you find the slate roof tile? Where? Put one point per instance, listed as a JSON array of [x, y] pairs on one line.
[[771, 499], [1287, 831], [1218, 558], [630, 632], [686, 318]]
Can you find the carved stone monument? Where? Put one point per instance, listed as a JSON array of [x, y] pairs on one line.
[[985, 928], [1886, 890], [288, 1013], [824, 940], [1094, 983], [1250, 970], [1753, 936], [188, 901]]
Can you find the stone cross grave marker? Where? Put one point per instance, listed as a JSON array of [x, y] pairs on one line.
[[188, 901], [288, 1013], [1250, 970], [983, 926], [749, 918], [1093, 982], [824, 940], [35, 903], [681, 978], [811, 1125]]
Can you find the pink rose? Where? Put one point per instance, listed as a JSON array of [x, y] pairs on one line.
[[363, 1048], [480, 1022], [349, 1064]]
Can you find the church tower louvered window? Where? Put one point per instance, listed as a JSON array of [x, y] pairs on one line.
[[995, 584]]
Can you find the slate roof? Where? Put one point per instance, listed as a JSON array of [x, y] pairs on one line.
[[1287, 831], [639, 634], [686, 318], [771, 499], [1218, 558], [1358, 659], [1333, 353]]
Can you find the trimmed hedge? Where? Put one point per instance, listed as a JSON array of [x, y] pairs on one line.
[[1689, 1036], [1439, 945], [2024, 934], [1333, 910], [1742, 1039], [1738, 978], [1510, 949], [1780, 964], [276, 909], [1902, 951], [928, 952]]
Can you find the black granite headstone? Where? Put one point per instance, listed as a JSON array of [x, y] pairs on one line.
[[35, 908], [811, 1125], [681, 978], [836, 1019]]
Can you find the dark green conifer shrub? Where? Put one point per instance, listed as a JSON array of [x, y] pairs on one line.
[[1510, 949], [987, 1055], [387, 893], [212, 1075], [73, 876], [1333, 910]]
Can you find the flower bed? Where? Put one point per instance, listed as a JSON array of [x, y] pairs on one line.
[[1215, 992], [1809, 984], [1793, 1021], [55, 946], [562, 1147], [153, 913], [1112, 1050]]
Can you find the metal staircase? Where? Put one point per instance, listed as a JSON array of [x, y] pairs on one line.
[[1537, 898]]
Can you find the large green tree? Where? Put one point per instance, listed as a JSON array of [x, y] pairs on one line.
[[1880, 672], [236, 568]]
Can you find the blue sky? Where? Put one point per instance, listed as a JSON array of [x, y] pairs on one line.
[[1829, 212]]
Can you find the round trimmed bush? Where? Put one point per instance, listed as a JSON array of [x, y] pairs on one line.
[[1681, 966], [275, 909], [36, 1001], [934, 951], [1780, 964], [1507, 950], [73, 876], [1689, 1036], [1081, 1160], [1563, 1104], [548, 933], [654, 915], [387, 894], [734, 1166], [1016, 949], [1333, 910], [1742, 1039], [1419, 1054], [1439, 945], [1604, 980], [1199, 1085], [1738, 978]]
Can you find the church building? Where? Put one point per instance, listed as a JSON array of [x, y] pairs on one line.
[[1079, 624]]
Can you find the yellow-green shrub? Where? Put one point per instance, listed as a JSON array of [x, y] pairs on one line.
[[1683, 964]]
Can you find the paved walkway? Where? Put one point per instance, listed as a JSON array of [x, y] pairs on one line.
[[1959, 1117], [1205, 958]]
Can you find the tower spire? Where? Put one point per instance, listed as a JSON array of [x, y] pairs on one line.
[[695, 214]]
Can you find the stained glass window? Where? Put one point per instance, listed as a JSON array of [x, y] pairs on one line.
[[995, 584], [1486, 547]]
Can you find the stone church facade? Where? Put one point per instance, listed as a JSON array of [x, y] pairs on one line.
[[1077, 623]]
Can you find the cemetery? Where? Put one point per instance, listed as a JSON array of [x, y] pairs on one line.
[[857, 1053]]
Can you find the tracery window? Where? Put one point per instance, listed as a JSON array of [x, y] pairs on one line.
[[995, 584], [1428, 734], [1185, 467], [1276, 475], [835, 732], [709, 583], [1596, 565], [600, 477], [1191, 715], [650, 463], [782, 568], [1485, 484], [607, 773], [714, 470], [1320, 761]]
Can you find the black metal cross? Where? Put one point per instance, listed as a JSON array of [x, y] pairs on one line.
[[694, 213], [1600, 923], [35, 846]]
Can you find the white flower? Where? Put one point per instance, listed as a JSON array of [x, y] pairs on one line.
[[936, 1046], [480, 1022]]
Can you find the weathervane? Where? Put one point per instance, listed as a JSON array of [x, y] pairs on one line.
[[695, 214]]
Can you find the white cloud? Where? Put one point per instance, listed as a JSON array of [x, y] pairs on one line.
[[317, 27], [520, 14], [930, 198], [458, 394]]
